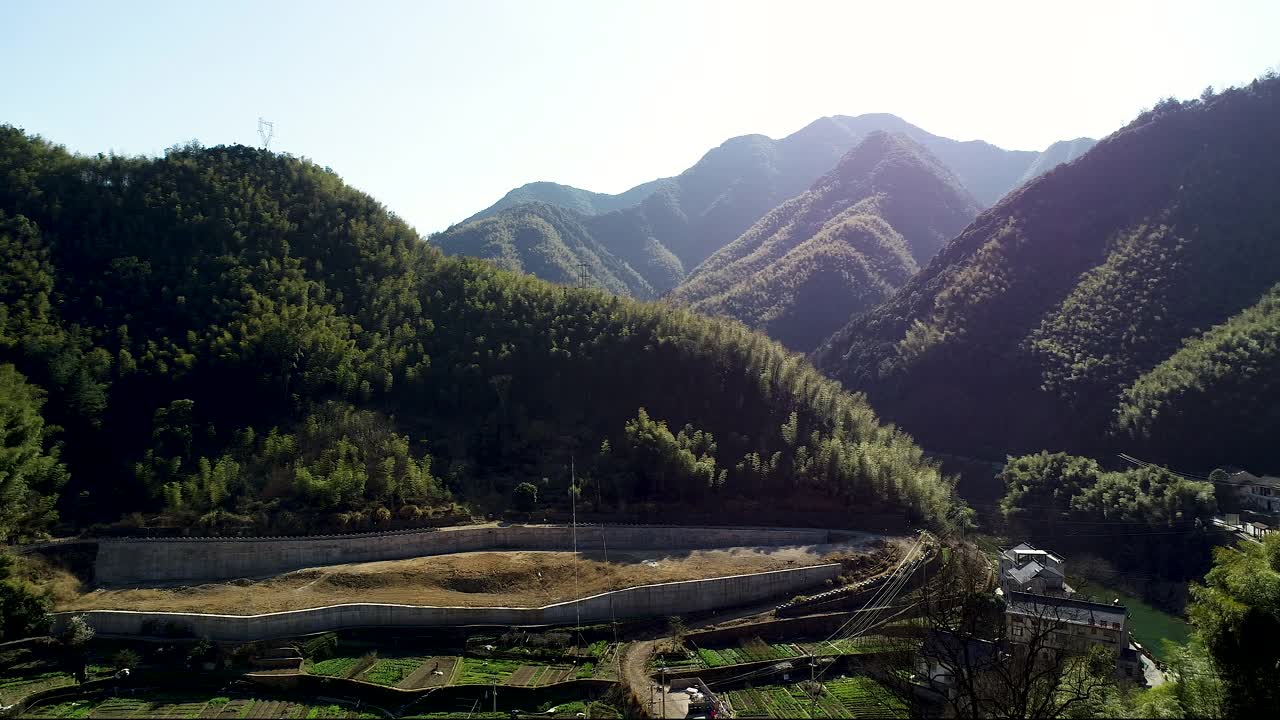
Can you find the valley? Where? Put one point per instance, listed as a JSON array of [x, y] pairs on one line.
[[853, 420]]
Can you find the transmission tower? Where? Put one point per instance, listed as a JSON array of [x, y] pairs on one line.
[[266, 131]]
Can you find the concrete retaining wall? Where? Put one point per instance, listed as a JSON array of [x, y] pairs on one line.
[[662, 599], [169, 560]]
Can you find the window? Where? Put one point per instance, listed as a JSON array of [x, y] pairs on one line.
[[1017, 632]]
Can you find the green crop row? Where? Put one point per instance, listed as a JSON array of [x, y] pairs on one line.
[[390, 671], [334, 667], [481, 671]]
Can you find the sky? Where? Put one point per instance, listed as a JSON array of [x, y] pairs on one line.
[[437, 108]]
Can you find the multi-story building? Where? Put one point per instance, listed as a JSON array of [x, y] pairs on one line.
[[1056, 623], [1260, 494]]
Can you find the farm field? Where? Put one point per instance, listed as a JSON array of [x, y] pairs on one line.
[[193, 705], [335, 667], [757, 650], [391, 670], [508, 579], [854, 697], [425, 671], [17, 686], [19, 681]]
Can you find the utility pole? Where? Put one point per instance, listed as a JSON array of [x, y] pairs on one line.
[[663, 689], [813, 682]]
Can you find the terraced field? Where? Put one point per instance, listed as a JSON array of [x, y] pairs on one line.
[[15, 687], [195, 706], [336, 667], [487, 671], [757, 650], [855, 697], [391, 670]]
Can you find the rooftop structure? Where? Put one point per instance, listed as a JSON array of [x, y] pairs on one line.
[[1024, 568]]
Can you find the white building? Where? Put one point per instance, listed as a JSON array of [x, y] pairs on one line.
[[1024, 568]]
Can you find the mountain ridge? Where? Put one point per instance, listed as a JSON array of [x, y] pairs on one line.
[[886, 208], [692, 215], [1033, 325]]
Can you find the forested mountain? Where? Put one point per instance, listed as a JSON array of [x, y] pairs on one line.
[[691, 216], [838, 249], [571, 198], [230, 337], [1063, 151], [1079, 313], [617, 251]]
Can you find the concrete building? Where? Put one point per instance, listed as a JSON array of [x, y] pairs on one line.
[[1070, 625], [1024, 568], [1251, 492]]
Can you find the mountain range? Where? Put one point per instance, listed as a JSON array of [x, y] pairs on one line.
[[837, 249], [1123, 302], [692, 215]]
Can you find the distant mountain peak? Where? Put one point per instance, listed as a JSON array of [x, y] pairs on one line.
[[839, 248]]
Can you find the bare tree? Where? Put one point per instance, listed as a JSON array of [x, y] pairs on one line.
[[991, 667]]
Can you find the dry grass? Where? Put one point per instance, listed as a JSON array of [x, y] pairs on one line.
[[510, 579], [48, 576]]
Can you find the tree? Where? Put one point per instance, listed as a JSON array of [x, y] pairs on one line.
[[525, 497], [30, 474], [992, 672], [1237, 613], [678, 633], [22, 612], [125, 659], [77, 632]]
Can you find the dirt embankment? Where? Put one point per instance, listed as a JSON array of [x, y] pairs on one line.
[[510, 579]]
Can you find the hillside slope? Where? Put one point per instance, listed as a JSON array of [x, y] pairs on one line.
[[841, 247], [1026, 330], [696, 213], [571, 198], [229, 338]]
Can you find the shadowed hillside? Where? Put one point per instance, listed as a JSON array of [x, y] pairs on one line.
[[1082, 304], [840, 248]]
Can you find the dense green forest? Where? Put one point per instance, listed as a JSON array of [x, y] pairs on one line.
[[1077, 314], [663, 229], [618, 252], [572, 198], [1146, 518], [840, 248], [228, 337], [1228, 668]]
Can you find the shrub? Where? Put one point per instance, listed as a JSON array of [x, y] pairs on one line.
[[125, 658]]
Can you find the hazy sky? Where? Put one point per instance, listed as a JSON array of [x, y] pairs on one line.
[[438, 108]]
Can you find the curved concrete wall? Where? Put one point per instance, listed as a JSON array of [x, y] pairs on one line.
[[130, 561], [662, 599]]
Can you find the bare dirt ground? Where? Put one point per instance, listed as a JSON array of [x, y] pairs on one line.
[[507, 579]]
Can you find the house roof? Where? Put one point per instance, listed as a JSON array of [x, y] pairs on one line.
[[1031, 570], [1244, 477], [1068, 610], [1023, 549]]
